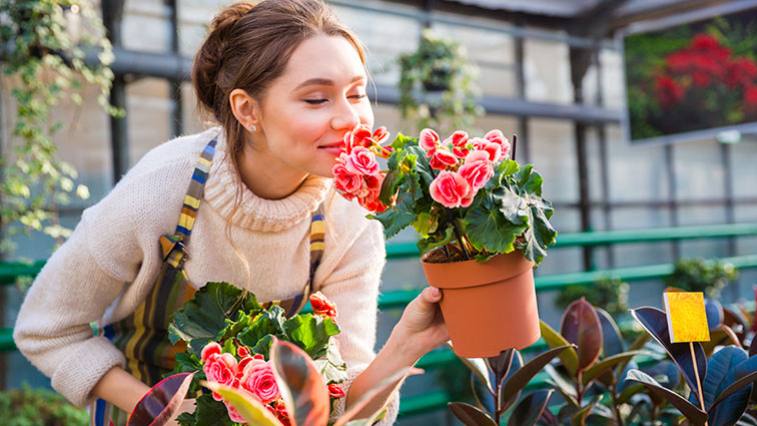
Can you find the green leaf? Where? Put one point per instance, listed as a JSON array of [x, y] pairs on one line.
[[487, 227], [523, 375], [470, 415], [744, 373], [392, 180], [478, 367], [253, 411], [529, 409], [694, 414], [540, 234], [311, 333], [579, 417], [304, 393], [400, 141], [270, 321], [263, 346], [204, 317], [569, 357], [612, 341], [208, 411], [391, 383], [401, 215], [332, 367], [580, 326], [722, 371], [605, 365]]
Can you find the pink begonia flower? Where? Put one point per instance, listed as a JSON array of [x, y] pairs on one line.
[[246, 360], [336, 391], [380, 135], [459, 142], [242, 351], [221, 368], [347, 182], [428, 140], [210, 349], [322, 305], [441, 159], [497, 137], [492, 148], [258, 379], [360, 136], [477, 169], [451, 190], [362, 161]]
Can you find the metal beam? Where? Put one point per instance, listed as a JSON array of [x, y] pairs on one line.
[[112, 12], [177, 99]]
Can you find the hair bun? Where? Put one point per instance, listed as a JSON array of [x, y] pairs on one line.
[[230, 15]]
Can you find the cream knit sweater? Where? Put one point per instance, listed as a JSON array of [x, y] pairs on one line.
[[107, 266]]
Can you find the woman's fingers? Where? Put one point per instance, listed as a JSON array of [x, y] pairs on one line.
[[431, 294]]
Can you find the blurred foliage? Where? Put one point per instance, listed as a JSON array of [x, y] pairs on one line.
[[678, 80], [700, 275], [437, 88], [46, 65], [608, 293], [39, 407]]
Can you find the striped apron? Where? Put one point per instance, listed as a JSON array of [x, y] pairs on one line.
[[143, 336]]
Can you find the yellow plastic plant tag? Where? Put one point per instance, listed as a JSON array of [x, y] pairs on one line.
[[687, 319]]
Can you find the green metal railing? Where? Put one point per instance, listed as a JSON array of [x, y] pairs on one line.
[[430, 401]]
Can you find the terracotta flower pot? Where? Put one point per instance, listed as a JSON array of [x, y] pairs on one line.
[[488, 307]]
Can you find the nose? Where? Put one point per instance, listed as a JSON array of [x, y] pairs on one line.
[[345, 117]]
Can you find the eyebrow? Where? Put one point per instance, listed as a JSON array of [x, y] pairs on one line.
[[325, 82]]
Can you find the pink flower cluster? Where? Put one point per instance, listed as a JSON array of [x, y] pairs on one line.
[[465, 164], [357, 174], [253, 374], [703, 64]]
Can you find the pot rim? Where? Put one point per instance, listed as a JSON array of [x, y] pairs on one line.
[[471, 273]]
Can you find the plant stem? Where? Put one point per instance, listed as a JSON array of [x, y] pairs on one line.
[[459, 236], [614, 394]]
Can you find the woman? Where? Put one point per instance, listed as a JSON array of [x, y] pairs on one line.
[[286, 81]]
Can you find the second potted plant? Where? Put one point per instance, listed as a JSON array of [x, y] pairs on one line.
[[482, 221]]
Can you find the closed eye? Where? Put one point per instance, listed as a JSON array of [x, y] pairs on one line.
[[320, 101]]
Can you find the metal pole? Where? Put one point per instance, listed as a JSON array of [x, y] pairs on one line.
[[520, 85], [603, 158], [112, 17], [579, 63], [672, 194], [177, 98]]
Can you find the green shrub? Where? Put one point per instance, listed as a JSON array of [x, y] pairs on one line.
[[39, 407], [608, 293]]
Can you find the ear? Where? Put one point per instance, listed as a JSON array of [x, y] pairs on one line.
[[245, 108]]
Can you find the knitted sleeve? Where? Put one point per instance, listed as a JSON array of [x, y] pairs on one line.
[[113, 244]]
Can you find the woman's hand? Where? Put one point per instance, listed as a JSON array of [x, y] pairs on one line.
[[422, 325]]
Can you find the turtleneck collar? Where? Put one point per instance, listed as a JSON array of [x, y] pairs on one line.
[[255, 213]]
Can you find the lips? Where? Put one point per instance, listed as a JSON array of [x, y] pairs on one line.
[[337, 144]]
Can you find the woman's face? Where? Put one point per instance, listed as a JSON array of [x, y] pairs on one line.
[[307, 110]]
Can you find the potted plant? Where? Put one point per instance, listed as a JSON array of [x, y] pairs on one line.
[[699, 275], [44, 44], [437, 85], [482, 221]]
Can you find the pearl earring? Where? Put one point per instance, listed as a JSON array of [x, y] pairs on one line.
[[252, 128]]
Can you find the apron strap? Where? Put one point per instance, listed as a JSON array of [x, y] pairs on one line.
[[194, 194], [317, 245]]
